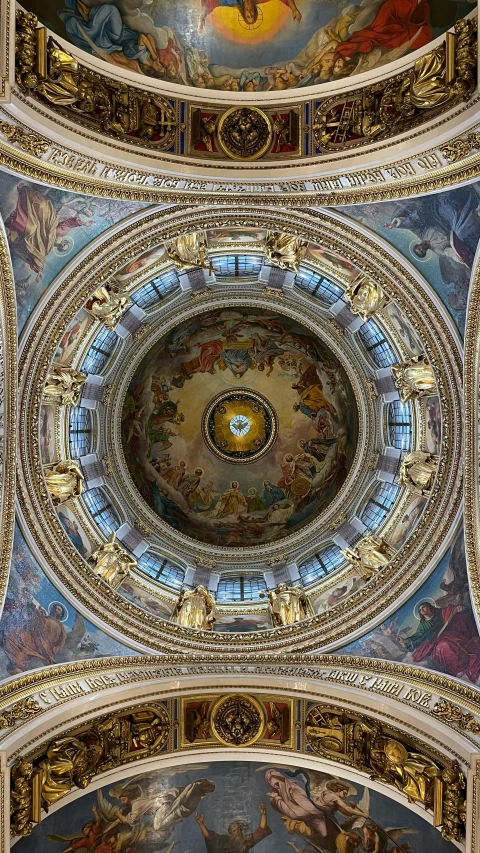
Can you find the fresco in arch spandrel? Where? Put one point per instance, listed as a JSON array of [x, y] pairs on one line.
[[39, 627], [435, 628], [234, 807], [438, 233], [46, 227], [249, 45], [216, 500]]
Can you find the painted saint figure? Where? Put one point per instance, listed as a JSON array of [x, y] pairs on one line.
[[247, 10], [448, 637], [237, 839]]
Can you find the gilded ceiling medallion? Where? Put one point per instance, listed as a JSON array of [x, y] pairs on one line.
[[239, 426], [238, 720], [245, 133]]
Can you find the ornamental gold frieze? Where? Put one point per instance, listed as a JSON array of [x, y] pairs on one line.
[[55, 766], [8, 411], [372, 259], [472, 408], [437, 81]]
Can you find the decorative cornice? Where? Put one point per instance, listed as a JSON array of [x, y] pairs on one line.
[[8, 411]]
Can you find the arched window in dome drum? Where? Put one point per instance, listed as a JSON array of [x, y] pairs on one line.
[[101, 510], [80, 432], [318, 286], [158, 288], [321, 564], [376, 344], [237, 266], [241, 588], [379, 504], [99, 352], [160, 569], [399, 423]]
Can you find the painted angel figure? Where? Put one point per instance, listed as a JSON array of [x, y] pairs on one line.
[[363, 835], [147, 810]]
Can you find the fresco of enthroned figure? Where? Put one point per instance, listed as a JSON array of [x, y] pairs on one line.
[[249, 45]]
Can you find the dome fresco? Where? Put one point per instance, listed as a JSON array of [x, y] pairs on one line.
[[199, 466], [249, 45]]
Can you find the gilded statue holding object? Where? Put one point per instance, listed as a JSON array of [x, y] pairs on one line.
[[418, 470], [414, 378], [112, 563], [284, 251], [64, 480], [189, 251], [289, 604], [370, 555], [108, 305], [195, 608], [364, 296], [63, 385]]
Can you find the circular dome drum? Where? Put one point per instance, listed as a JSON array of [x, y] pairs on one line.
[[239, 427]]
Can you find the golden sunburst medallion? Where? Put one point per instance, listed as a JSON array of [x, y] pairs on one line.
[[239, 426]]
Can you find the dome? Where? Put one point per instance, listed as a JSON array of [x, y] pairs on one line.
[[239, 427]]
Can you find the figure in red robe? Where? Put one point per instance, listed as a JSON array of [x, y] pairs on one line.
[[396, 23], [448, 637]]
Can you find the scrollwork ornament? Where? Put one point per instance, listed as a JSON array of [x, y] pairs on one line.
[[448, 712], [245, 133], [238, 720]]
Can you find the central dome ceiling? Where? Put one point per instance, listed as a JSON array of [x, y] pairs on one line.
[[249, 45], [217, 393]]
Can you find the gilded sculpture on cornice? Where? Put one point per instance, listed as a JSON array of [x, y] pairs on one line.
[[112, 563], [190, 250], [365, 296], [412, 773], [63, 385], [369, 555], [108, 305], [289, 604], [284, 251], [195, 608], [414, 378], [418, 470], [64, 480]]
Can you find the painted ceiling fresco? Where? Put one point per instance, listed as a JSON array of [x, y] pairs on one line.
[[438, 233], [435, 628], [219, 501], [46, 227], [233, 807], [39, 627], [249, 45]]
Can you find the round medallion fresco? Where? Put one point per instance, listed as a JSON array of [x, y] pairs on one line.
[[231, 386]]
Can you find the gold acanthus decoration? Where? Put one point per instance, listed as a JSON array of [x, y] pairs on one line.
[[64, 480], [63, 385], [364, 296], [195, 608], [451, 713], [418, 470], [30, 142], [107, 106], [22, 710], [438, 79], [369, 555], [414, 378], [108, 305], [461, 148], [75, 758], [289, 604], [284, 251], [112, 563], [189, 251], [388, 756]]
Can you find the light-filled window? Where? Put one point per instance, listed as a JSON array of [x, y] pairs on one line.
[[101, 510], [241, 588], [321, 564], [399, 422], [237, 266], [318, 286], [158, 288], [161, 569], [376, 344], [80, 433], [99, 352], [379, 504]]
